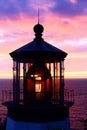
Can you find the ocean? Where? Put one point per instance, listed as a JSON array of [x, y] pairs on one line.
[[78, 112]]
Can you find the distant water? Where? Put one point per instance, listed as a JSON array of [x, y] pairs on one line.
[[5, 84], [78, 111]]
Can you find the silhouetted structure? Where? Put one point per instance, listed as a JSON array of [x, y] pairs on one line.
[[38, 87]]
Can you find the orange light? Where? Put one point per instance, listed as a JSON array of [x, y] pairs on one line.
[[37, 87], [38, 78]]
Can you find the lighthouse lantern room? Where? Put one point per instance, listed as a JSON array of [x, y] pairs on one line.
[[38, 87]]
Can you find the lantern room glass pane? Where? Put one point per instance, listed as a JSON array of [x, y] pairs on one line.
[[55, 74], [16, 81], [14, 70], [21, 70], [62, 68]]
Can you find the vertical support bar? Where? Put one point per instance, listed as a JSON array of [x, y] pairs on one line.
[[50, 67], [14, 80], [24, 78], [61, 81], [24, 69], [54, 82], [18, 81], [57, 82]]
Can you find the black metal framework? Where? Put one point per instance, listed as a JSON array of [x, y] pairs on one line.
[[56, 72]]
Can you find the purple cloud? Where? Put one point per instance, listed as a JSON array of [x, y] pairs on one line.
[[13, 8], [68, 8]]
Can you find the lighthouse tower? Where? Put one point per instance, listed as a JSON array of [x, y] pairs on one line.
[[38, 87]]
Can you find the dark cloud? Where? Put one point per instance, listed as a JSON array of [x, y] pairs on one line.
[[13, 8], [68, 8]]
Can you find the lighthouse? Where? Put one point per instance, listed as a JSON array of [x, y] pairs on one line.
[[38, 101]]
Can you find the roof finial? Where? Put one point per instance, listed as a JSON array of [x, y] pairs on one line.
[[38, 15], [38, 29]]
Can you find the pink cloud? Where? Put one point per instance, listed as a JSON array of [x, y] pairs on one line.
[[67, 33]]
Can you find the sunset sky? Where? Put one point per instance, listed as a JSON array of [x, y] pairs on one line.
[[65, 26]]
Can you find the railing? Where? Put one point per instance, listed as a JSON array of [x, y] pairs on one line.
[[69, 95], [7, 95]]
